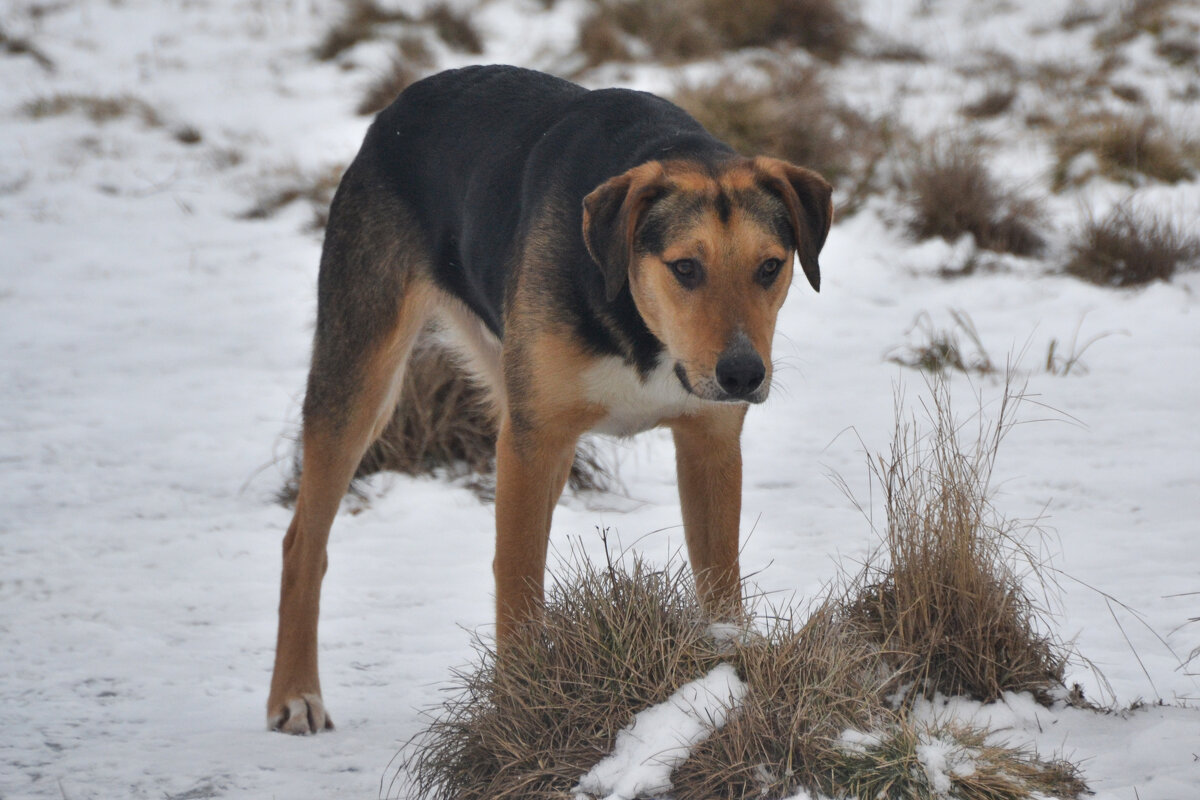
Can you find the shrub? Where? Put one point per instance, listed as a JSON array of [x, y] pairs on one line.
[[940, 350], [454, 28], [946, 595], [443, 422], [792, 116], [1123, 148], [672, 32], [951, 193], [823, 27], [20, 46], [98, 108], [410, 58], [1131, 248], [819, 714], [292, 184], [681, 31], [386, 87], [992, 104], [614, 640], [360, 22]]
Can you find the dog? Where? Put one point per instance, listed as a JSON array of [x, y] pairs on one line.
[[604, 263]]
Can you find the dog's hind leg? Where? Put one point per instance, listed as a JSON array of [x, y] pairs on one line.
[[373, 300]]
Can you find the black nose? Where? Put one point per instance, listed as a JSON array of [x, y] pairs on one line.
[[740, 372]]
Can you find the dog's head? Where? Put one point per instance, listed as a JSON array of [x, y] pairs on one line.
[[708, 255]]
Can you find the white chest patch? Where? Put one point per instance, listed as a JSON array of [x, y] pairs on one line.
[[635, 405]]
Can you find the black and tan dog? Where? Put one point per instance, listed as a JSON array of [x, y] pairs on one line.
[[606, 265]]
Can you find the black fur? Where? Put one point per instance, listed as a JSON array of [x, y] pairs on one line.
[[478, 156]]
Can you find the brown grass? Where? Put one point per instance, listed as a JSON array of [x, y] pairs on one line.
[[620, 30], [947, 595], [993, 103], [386, 87], [951, 193], [292, 184], [455, 28], [20, 46], [411, 58], [1132, 248], [443, 424], [940, 350], [614, 640], [825, 28], [360, 22], [793, 116], [623, 30], [1137, 16], [98, 108], [623, 635], [1126, 148]]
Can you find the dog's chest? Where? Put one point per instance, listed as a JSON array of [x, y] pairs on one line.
[[633, 404]]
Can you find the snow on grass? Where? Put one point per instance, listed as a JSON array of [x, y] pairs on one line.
[[661, 737]]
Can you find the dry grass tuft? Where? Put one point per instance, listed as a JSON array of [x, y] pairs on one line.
[[1180, 47], [793, 116], [823, 27], [443, 423], [1153, 17], [20, 46], [952, 193], [412, 57], [808, 683], [895, 766], [98, 108], [360, 22], [1132, 248], [819, 714], [625, 30], [386, 87], [455, 28], [290, 185], [940, 350], [1123, 148], [442, 419], [947, 595], [993, 103], [615, 640]]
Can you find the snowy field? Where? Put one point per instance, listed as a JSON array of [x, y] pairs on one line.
[[153, 348]]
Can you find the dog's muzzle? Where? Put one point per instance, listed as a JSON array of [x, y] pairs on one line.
[[738, 377], [740, 373]]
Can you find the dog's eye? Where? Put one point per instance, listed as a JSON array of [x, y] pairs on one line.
[[687, 271], [768, 270]]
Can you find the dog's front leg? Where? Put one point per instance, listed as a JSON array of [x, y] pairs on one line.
[[708, 457], [532, 467]]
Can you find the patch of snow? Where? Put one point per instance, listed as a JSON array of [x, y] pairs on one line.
[[943, 760], [660, 738]]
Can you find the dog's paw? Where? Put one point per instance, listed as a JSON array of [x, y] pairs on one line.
[[300, 715]]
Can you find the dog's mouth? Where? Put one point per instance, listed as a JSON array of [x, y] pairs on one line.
[[711, 390], [681, 373]]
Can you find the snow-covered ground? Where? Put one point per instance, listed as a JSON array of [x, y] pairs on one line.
[[153, 347]]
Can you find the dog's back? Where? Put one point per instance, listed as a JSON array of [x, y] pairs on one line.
[[475, 154]]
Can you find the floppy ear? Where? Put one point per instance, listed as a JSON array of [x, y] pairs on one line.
[[610, 218], [809, 201]]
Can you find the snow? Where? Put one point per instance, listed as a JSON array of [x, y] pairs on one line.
[[661, 737], [153, 348], [943, 760]]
